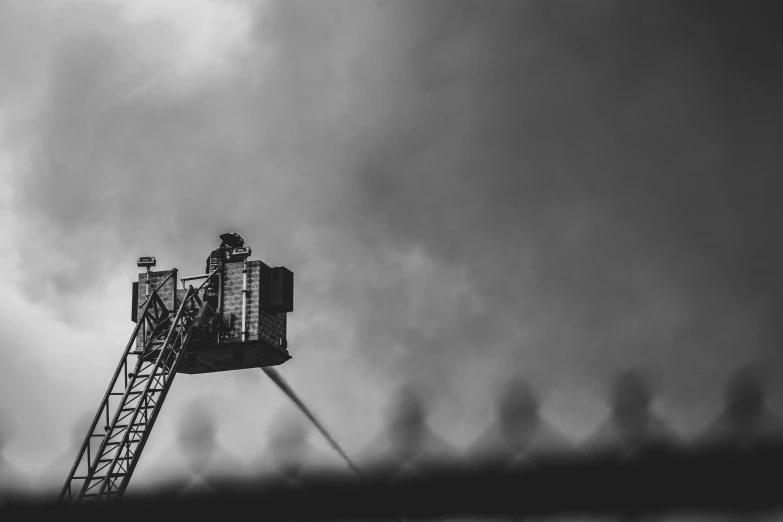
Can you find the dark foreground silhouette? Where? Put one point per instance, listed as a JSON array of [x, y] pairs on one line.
[[710, 479]]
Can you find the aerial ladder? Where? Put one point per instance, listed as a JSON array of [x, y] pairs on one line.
[[134, 398], [235, 319]]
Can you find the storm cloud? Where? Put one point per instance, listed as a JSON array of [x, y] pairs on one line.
[[463, 189]]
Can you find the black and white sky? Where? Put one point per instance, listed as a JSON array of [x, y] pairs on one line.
[[464, 189]]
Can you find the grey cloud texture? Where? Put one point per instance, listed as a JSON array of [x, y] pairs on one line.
[[529, 184], [595, 175]]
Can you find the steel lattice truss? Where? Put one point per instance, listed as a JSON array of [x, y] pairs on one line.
[[127, 414]]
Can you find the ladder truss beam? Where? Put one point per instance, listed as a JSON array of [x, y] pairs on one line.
[[141, 386]]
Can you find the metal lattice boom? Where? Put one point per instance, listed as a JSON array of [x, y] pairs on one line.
[[133, 401]]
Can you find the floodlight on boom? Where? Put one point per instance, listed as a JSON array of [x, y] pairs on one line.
[[146, 261], [240, 253]]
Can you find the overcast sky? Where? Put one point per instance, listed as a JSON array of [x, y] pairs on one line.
[[464, 190]]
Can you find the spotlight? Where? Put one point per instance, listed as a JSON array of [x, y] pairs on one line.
[[145, 262], [239, 253]]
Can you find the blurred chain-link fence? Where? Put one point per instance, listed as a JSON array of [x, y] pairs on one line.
[[634, 461]]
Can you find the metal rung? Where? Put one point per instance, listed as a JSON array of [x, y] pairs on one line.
[[145, 375], [109, 475], [142, 408], [96, 435], [122, 426], [137, 392], [111, 459], [151, 390], [104, 494]]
